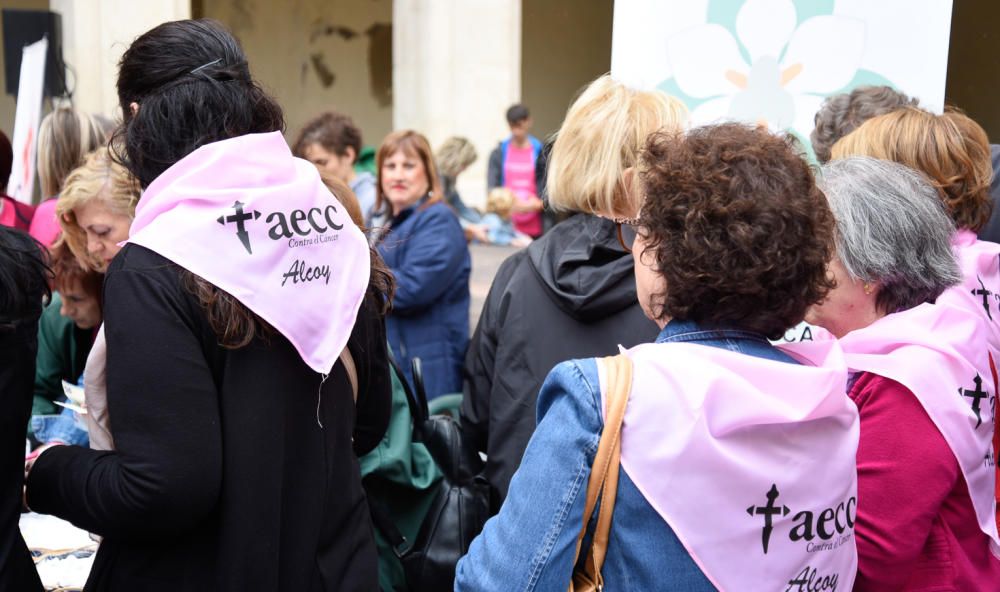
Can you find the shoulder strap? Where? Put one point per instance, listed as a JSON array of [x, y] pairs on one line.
[[352, 371], [604, 474]]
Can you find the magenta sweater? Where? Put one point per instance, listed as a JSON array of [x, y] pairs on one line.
[[916, 527]]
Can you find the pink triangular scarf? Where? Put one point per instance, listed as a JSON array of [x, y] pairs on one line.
[[936, 351], [253, 220], [750, 461]]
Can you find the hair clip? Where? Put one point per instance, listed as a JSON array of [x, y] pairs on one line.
[[203, 66]]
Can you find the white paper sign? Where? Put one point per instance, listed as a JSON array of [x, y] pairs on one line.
[[29, 113], [774, 61]]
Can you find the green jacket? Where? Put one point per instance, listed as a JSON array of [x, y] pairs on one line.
[[62, 354], [402, 475]]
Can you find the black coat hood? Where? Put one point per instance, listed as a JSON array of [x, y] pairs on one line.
[[584, 267]]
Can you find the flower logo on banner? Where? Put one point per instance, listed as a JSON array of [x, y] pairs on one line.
[[767, 62]]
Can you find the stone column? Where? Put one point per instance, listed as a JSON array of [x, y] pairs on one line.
[[96, 33], [456, 70]]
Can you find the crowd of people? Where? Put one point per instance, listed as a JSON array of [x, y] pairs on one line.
[[249, 320]]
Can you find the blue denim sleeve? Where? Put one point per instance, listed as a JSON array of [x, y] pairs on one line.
[[530, 544]]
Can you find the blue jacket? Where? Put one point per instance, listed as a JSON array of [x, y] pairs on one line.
[[428, 255], [529, 545]]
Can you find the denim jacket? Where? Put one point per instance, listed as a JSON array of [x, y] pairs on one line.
[[530, 544]]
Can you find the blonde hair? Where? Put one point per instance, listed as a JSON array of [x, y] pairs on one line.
[[102, 178], [455, 155], [603, 134], [65, 137], [411, 143], [951, 149], [500, 201]]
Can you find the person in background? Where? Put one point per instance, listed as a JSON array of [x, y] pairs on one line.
[[841, 114], [716, 418], [496, 221], [924, 437], [13, 213], [953, 151], [426, 249], [65, 137], [516, 164], [24, 285], [454, 156], [235, 439], [571, 293], [66, 330], [63, 346], [332, 142]]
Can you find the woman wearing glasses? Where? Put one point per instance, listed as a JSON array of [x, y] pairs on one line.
[[571, 294], [737, 458]]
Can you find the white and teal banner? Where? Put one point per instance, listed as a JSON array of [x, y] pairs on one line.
[[774, 61]]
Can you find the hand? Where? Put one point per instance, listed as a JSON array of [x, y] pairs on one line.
[[478, 232], [527, 204]]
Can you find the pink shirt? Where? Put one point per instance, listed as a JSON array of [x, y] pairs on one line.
[[916, 527], [519, 177], [45, 226]]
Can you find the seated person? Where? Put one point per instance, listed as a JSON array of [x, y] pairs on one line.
[[499, 229], [66, 330]]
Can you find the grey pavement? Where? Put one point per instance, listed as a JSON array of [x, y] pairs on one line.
[[486, 259]]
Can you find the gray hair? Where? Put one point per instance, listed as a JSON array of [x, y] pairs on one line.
[[841, 114], [891, 229]]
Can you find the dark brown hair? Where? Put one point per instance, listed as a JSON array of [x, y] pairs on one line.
[[333, 131], [737, 227], [414, 144]]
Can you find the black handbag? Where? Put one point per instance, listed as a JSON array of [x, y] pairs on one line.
[[460, 507]]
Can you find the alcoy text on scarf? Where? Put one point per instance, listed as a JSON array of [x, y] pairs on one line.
[[750, 461], [938, 352], [258, 223]]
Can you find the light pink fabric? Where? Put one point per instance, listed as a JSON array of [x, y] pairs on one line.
[[45, 226], [979, 292], [939, 352], [257, 222], [711, 435]]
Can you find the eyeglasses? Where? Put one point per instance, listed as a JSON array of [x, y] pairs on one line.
[[626, 232]]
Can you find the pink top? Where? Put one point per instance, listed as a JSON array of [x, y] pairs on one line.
[[519, 177], [932, 540], [45, 226]]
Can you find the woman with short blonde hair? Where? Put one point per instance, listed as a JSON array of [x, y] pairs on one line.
[[96, 208], [601, 138]]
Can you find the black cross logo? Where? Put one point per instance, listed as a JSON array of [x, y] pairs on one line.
[[240, 218], [768, 512], [976, 395], [982, 291]]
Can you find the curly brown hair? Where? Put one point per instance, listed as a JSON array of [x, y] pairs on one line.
[[739, 230]]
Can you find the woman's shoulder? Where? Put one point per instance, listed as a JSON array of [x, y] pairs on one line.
[[574, 383]]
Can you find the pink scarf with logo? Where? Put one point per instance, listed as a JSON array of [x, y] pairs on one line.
[[979, 292], [253, 220], [750, 461], [936, 351]]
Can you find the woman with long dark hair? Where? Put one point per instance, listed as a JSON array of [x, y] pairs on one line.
[[246, 363]]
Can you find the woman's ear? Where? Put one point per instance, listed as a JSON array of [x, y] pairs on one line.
[[134, 108]]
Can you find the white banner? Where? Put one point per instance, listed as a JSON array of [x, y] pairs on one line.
[[774, 61], [29, 112]]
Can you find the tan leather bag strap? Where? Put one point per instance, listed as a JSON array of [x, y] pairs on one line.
[[604, 475], [352, 371]]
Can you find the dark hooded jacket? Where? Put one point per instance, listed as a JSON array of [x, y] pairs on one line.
[[571, 294]]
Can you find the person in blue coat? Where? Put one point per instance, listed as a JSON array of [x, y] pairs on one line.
[[423, 243]]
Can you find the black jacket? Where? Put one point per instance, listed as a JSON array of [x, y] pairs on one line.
[[991, 232], [223, 478], [17, 376], [571, 294]]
